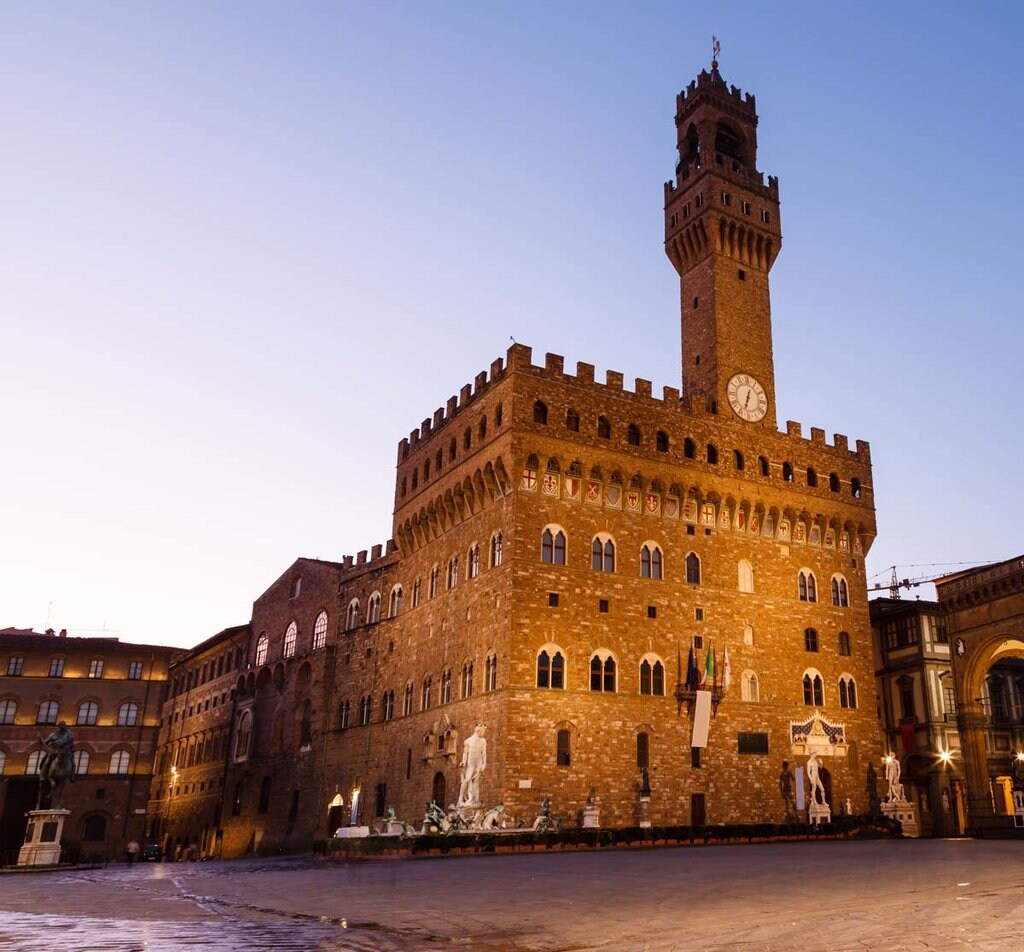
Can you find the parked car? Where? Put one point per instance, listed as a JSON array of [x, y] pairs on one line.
[[152, 853]]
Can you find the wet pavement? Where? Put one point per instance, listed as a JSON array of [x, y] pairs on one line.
[[881, 894]]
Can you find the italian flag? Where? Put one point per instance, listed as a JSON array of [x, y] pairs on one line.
[[709, 668]]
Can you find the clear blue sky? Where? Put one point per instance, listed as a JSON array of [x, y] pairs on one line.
[[245, 248]]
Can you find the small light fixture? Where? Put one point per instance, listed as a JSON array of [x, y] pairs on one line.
[[945, 756]]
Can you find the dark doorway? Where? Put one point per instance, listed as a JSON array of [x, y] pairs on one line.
[[438, 790], [698, 811], [20, 798], [333, 819]]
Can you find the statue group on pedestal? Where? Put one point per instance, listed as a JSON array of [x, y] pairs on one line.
[[56, 766]]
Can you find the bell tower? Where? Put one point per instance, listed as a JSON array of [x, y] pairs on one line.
[[722, 235]]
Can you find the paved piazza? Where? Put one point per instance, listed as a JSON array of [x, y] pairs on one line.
[[880, 894]]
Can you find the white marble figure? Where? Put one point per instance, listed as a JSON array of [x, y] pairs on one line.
[[494, 818], [814, 778], [892, 776], [474, 760]]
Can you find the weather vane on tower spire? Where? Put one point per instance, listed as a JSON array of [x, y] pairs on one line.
[[716, 48]]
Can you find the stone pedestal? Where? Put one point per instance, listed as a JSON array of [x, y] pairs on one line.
[[643, 813], [42, 838], [818, 813], [591, 817], [351, 832], [902, 810]]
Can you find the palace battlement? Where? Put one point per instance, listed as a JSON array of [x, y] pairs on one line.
[[378, 553], [707, 81], [752, 179]]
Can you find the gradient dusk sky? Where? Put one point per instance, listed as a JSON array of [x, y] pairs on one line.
[[246, 248]]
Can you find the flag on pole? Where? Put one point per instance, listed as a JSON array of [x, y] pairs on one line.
[[692, 675], [709, 669], [726, 669]]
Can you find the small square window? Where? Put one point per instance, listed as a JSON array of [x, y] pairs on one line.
[[553, 599], [698, 614], [602, 606], [765, 217], [746, 208], [652, 611], [696, 303], [691, 530], [134, 670], [369, 652], [742, 275], [695, 757], [698, 641], [707, 531], [853, 563]]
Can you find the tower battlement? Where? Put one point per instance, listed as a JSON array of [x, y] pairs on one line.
[[713, 83]]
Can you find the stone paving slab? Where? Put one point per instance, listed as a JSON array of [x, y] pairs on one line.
[[835, 896]]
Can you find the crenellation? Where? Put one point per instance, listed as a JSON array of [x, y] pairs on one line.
[[479, 383], [438, 418], [554, 363], [375, 552], [642, 388], [425, 429], [452, 406], [465, 395], [864, 451], [613, 379], [519, 357], [817, 435], [361, 557], [670, 395], [584, 372], [497, 368], [794, 429], [841, 443], [346, 561]]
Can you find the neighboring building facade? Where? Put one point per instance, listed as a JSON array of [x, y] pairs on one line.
[[917, 705], [985, 612], [110, 694], [187, 803]]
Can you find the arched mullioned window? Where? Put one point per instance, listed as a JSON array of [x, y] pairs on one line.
[[352, 615], [602, 672], [810, 639], [128, 714], [387, 705], [395, 601], [290, 637], [847, 691], [473, 561], [650, 561], [745, 576], [320, 631], [540, 412], [491, 673], [552, 546], [806, 586], [425, 692], [453, 572], [373, 609], [496, 542], [550, 667], [467, 679], [840, 592], [88, 711], [602, 553], [652, 676], [446, 686], [693, 568], [482, 427], [750, 687], [814, 690], [262, 644], [344, 714], [407, 699], [435, 575], [844, 644]]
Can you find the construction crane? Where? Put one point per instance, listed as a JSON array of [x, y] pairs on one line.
[[895, 583]]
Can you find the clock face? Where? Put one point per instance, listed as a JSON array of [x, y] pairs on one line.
[[747, 398]]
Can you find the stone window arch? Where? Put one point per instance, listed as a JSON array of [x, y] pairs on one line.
[[120, 761], [128, 714], [407, 699], [689, 449], [352, 615], [844, 644], [425, 693], [373, 609], [651, 561], [833, 482], [840, 592], [661, 441], [88, 712], [712, 454], [243, 735], [763, 465], [262, 645], [572, 420], [814, 688], [787, 472], [604, 428], [395, 601], [467, 679], [750, 686], [491, 672], [473, 561], [847, 691], [291, 635], [434, 582], [633, 435], [737, 460], [47, 712], [496, 544], [806, 586], [810, 639], [540, 412], [652, 675], [602, 553], [553, 545], [320, 631], [446, 686], [551, 667], [745, 576], [603, 674], [692, 568], [812, 477], [452, 577]]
